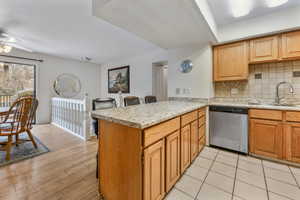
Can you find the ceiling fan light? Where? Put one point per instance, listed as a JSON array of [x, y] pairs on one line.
[[275, 3], [7, 49], [240, 8]]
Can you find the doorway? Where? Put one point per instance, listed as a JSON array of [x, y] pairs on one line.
[[160, 80], [16, 79]]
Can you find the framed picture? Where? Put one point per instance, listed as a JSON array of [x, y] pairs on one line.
[[119, 80]]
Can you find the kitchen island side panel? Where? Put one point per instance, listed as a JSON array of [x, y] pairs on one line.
[[120, 161]]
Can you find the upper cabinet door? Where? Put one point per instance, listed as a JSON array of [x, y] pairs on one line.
[[291, 45], [264, 49], [231, 62]]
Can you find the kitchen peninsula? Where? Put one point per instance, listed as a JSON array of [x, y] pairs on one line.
[[144, 149]]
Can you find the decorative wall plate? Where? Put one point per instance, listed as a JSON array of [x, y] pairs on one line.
[[186, 66]]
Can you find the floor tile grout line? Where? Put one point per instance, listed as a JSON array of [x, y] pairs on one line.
[[294, 177], [283, 182], [221, 189], [237, 162], [281, 195], [277, 169], [187, 194], [222, 174], [251, 172], [265, 178], [207, 175], [251, 184]]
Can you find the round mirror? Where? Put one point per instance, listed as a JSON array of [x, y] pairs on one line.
[[67, 85], [186, 66]]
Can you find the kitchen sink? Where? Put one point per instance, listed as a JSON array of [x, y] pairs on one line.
[[275, 104]]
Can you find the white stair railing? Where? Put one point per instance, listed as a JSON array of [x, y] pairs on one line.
[[5, 100], [72, 115]]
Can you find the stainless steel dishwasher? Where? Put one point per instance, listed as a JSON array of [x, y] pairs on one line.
[[228, 128]]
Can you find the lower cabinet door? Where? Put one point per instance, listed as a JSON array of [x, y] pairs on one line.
[[154, 171], [172, 159], [185, 147], [266, 138], [292, 142], [194, 140], [202, 142]]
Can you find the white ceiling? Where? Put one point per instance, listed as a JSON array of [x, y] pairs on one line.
[[67, 28], [169, 24], [221, 10], [122, 28]]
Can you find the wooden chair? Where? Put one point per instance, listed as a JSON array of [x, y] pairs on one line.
[[150, 99], [18, 120], [131, 100]]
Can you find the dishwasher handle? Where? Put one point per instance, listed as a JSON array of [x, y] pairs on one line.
[[229, 109]]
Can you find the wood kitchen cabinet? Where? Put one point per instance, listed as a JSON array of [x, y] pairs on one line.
[[231, 62], [264, 49], [290, 43], [172, 159], [292, 141], [194, 140], [154, 171], [145, 163], [185, 147], [266, 138]]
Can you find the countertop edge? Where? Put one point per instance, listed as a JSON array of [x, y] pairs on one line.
[[148, 125]]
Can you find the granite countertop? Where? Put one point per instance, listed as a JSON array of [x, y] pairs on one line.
[[257, 106], [146, 115]]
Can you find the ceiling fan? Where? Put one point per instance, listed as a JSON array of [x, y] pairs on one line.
[[8, 42]]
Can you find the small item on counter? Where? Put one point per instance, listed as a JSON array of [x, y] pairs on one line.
[[254, 102]]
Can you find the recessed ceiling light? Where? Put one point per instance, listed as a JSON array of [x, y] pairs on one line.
[[240, 8], [275, 3]]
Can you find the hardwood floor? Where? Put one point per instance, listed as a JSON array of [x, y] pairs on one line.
[[66, 173]]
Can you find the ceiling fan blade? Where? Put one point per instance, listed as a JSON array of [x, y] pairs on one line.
[[17, 46]]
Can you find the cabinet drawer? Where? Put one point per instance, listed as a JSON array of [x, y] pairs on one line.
[[266, 114], [188, 118], [293, 116], [202, 121], [157, 132], [202, 131], [201, 112]]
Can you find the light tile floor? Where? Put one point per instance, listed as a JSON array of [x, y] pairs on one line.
[[221, 175]]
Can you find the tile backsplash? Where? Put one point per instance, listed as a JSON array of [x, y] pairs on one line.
[[262, 82]]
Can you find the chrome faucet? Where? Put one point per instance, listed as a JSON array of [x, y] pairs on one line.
[[277, 98]]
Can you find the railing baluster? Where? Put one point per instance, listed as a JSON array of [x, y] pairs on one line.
[[71, 115]]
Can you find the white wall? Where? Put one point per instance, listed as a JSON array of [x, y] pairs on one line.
[[199, 80], [140, 73], [281, 20], [47, 72]]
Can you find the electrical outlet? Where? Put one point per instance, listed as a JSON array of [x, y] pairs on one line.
[[234, 91]]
